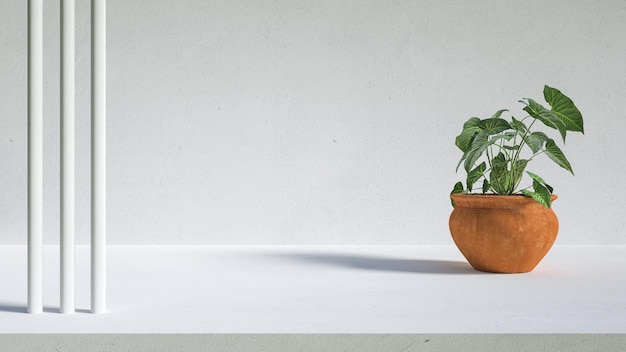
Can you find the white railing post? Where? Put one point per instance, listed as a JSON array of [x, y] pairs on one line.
[[67, 157], [98, 156], [35, 154]]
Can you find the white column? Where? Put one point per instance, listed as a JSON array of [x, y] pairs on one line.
[[35, 154], [98, 156], [67, 156]]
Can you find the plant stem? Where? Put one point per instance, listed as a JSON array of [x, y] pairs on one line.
[[519, 151]]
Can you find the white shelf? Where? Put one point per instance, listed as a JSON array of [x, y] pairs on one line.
[[318, 289]]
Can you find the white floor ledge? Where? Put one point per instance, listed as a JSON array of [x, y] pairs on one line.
[[319, 289]]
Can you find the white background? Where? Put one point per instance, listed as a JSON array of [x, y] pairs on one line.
[[314, 122]]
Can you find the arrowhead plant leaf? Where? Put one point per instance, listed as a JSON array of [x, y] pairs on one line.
[[536, 177], [494, 125], [564, 108], [540, 196], [555, 153], [546, 116], [518, 125], [536, 141], [470, 129], [458, 188], [479, 145], [475, 174], [498, 113], [486, 186]]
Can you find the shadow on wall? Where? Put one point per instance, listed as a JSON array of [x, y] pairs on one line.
[[422, 266]]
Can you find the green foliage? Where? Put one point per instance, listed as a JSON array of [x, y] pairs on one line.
[[493, 147], [458, 188]]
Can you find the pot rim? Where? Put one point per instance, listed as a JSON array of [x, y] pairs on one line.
[[479, 200], [493, 195]]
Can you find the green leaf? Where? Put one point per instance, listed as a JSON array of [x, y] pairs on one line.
[[498, 113], [499, 177], [461, 161], [546, 116], [537, 197], [555, 153], [511, 147], [517, 171], [475, 174], [494, 125], [537, 178], [541, 194], [458, 188], [486, 186], [479, 144], [471, 123], [518, 125], [470, 129], [464, 140], [507, 136], [536, 140], [564, 108]]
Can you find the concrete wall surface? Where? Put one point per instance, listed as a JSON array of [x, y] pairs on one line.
[[314, 122]]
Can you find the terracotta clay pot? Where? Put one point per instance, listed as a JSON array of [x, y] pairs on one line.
[[502, 234]]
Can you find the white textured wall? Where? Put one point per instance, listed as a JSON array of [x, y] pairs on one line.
[[292, 121]]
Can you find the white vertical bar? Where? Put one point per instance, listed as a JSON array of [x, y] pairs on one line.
[[98, 156], [35, 154], [67, 156]]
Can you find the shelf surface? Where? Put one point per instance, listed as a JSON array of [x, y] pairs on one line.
[[322, 289]]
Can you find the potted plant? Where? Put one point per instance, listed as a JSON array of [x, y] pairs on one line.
[[498, 226]]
